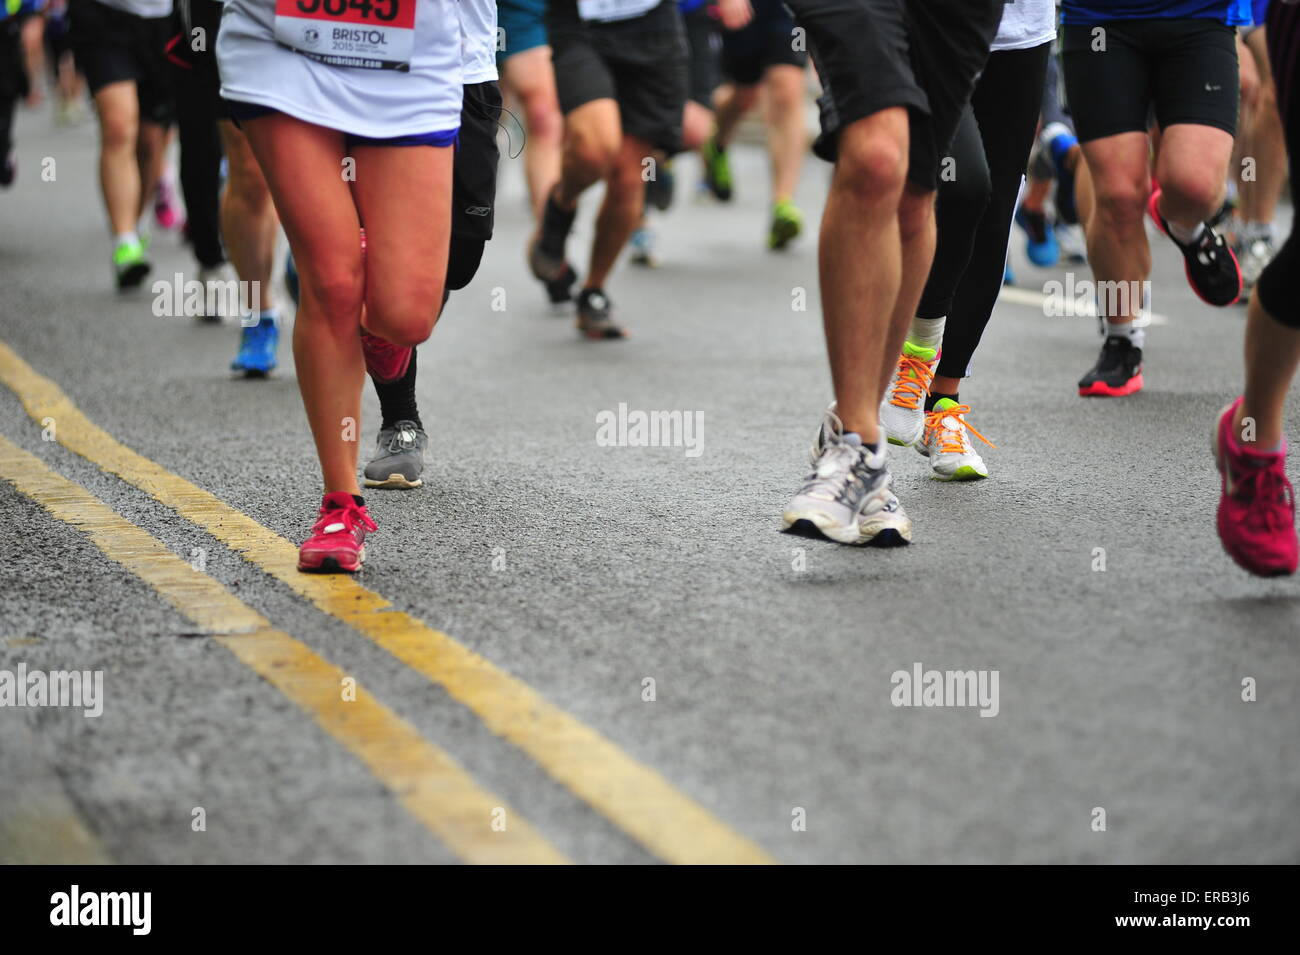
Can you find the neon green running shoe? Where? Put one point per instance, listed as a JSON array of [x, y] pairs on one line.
[[717, 170], [787, 222], [130, 264]]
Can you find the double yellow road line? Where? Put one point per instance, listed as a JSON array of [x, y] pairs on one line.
[[633, 797]]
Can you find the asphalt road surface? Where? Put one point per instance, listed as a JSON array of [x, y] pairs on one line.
[[481, 692]]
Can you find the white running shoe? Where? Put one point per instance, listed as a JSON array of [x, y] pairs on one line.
[[902, 413], [947, 444], [847, 498], [1257, 254]]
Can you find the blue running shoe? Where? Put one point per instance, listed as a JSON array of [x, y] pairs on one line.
[[257, 348], [1040, 239], [291, 277], [1008, 277]]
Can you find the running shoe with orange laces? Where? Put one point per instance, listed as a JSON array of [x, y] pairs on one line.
[[1256, 516], [902, 413], [947, 443], [338, 539]]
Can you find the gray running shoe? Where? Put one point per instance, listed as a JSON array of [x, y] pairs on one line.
[[847, 498], [596, 316], [399, 457]]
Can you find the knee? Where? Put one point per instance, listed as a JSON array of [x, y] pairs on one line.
[[629, 175], [118, 132], [593, 155], [1121, 206], [406, 317], [338, 291], [542, 115], [245, 181], [1196, 189], [871, 168]]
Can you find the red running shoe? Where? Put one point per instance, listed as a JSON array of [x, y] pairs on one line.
[[1256, 517], [338, 540], [385, 361]]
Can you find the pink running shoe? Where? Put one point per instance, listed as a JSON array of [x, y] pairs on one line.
[[166, 208], [338, 540], [1256, 517], [385, 361]]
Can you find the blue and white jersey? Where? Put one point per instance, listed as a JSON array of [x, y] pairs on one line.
[[1232, 12], [378, 69]]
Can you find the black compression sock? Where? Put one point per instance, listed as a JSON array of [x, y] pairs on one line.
[[556, 224], [935, 396], [397, 398]]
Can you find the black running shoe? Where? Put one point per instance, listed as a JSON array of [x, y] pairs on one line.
[[1118, 371], [1211, 267], [659, 190], [546, 252], [595, 316]]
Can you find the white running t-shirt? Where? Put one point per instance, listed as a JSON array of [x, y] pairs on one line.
[[478, 40], [1026, 24], [372, 96]]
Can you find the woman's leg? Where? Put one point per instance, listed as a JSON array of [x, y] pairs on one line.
[[303, 166], [1006, 106], [403, 194]]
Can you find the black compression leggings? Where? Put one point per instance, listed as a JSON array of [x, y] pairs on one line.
[[977, 200], [1279, 285]]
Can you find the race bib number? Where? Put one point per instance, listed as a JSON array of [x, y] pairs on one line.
[[366, 34], [610, 10]]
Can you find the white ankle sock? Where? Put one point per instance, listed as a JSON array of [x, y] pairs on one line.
[[1138, 336], [1184, 235]]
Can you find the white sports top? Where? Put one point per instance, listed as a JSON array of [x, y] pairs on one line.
[[149, 9], [478, 40], [1026, 24], [372, 95]]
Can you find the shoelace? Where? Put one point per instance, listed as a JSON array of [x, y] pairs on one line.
[[403, 439], [951, 440], [833, 474], [348, 516], [1269, 485], [912, 382]]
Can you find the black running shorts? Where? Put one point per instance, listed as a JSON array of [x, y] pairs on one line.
[[111, 46], [705, 43], [922, 55], [474, 170], [1118, 72], [641, 63], [769, 39]]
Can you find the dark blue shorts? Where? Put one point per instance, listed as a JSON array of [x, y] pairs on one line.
[[240, 112]]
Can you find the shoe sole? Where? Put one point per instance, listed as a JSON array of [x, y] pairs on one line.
[[394, 482], [1099, 389], [330, 565], [886, 536], [132, 278], [783, 233], [963, 473]]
